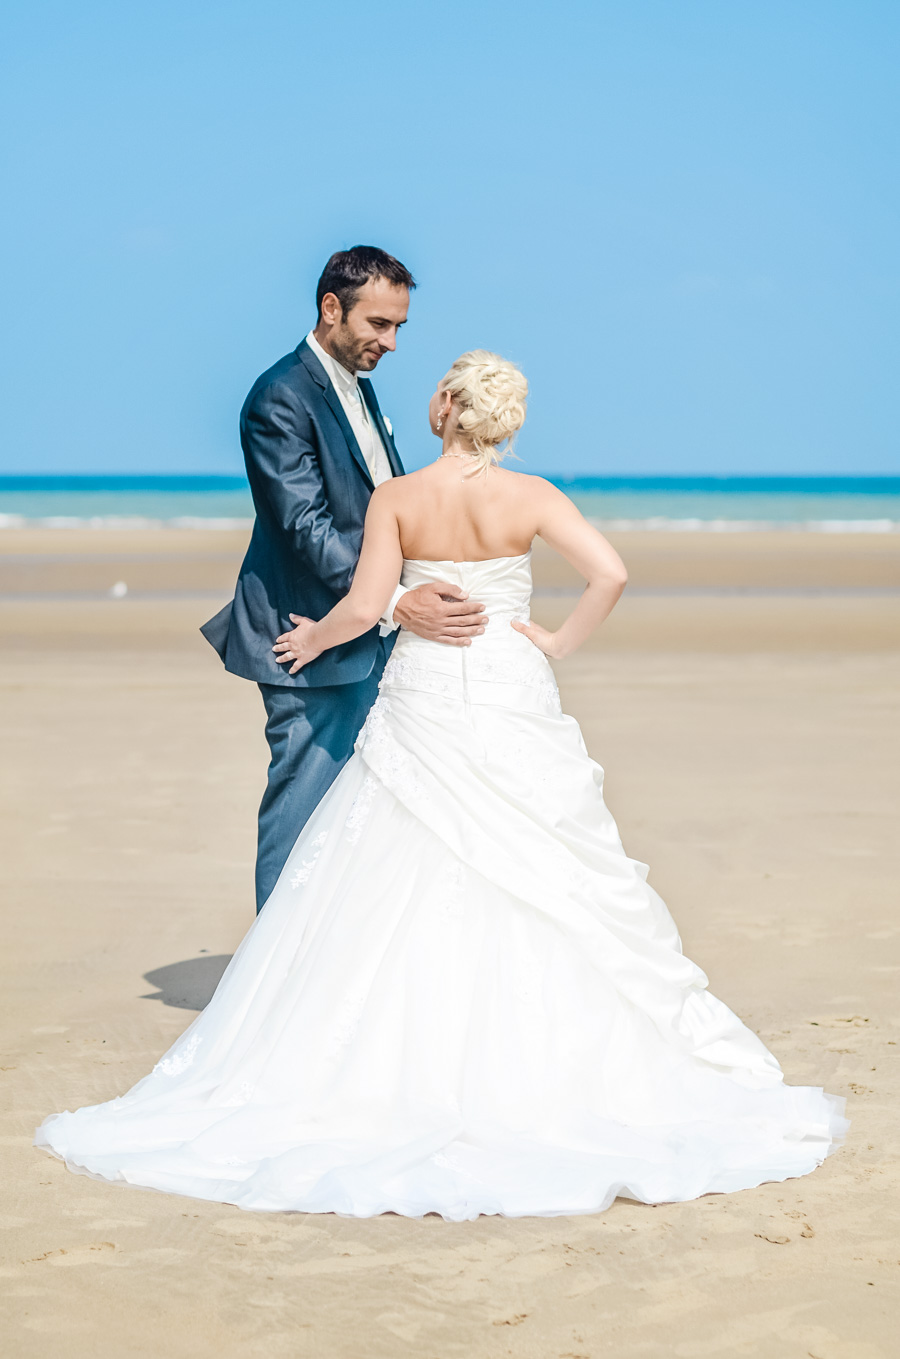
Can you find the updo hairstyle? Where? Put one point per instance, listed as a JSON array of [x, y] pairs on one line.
[[490, 393]]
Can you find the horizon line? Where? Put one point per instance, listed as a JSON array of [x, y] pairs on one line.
[[20, 481]]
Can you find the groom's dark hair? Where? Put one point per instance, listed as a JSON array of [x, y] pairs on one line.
[[348, 270]]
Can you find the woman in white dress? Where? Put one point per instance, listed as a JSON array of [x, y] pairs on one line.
[[462, 996]]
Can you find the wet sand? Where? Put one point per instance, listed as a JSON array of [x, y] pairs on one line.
[[744, 702]]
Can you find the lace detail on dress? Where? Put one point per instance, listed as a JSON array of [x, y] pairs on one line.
[[241, 1096], [532, 671], [510, 669], [347, 1022], [402, 672], [380, 749], [449, 897], [180, 1059], [373, 727], [359, 812], [548, 692], [302, 875]]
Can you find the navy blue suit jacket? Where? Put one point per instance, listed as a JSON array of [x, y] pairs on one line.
[[311, 488]]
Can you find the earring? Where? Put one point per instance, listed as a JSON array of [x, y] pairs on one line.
[[440, 421]]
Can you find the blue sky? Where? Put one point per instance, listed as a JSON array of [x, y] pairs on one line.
[[681, 217]]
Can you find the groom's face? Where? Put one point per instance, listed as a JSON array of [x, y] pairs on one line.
[[369, 329]]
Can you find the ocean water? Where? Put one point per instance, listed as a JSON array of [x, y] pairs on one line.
[[665, 504]]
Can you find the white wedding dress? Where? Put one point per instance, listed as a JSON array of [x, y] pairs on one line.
[[462, 996]]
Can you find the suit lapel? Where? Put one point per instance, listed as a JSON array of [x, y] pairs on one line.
[[333, 401], [387, 438]]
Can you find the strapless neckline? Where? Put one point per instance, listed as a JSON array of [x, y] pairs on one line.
[[473, 561]]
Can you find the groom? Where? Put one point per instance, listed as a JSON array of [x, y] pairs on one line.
[[316, 445]]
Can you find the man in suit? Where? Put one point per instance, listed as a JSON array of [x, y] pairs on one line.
[[316, 445]]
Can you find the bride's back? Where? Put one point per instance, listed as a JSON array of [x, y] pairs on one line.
[[451, 512]]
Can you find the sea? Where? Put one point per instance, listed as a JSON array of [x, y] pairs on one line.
[[662, 504]]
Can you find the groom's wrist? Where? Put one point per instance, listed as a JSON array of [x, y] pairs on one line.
[[389, 620]]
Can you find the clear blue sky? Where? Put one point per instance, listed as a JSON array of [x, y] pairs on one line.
[[680, 216]]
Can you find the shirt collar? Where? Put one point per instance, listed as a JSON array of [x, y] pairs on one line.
[[341, 380]]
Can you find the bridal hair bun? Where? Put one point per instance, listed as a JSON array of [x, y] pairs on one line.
[[491, 393]]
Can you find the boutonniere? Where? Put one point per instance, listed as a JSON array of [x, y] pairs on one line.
[[388, 426]]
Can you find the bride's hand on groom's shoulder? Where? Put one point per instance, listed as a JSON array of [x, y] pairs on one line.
[[297, 646], [545, 641]]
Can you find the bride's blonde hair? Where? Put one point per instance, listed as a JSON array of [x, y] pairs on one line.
[[491, 393]]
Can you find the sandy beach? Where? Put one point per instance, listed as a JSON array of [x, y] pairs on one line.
[[744, 702]]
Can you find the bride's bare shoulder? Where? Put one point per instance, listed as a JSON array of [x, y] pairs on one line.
[[396, 489], [408, 484], [525, 487], [529, 484]]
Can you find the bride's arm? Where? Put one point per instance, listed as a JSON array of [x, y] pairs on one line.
[[375, 580], [565, 529]]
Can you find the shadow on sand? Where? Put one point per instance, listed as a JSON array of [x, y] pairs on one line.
[[188, 985]]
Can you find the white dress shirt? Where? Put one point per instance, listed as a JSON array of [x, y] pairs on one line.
[[351, 398], [346, 385]]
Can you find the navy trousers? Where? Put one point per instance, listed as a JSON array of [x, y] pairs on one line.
[[310, 734]]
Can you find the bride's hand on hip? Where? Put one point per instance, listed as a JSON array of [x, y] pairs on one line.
[[545, 641], [297, 646]]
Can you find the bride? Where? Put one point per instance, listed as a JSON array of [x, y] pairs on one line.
[[462, 996]]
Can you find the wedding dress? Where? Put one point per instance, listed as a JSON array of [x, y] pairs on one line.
[[462, 996]]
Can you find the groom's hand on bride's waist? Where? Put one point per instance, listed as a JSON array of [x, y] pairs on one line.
[[441, 612]]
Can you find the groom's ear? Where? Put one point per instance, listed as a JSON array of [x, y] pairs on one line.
[[332, 311]]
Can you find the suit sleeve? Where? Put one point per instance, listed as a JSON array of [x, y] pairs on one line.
[[278, 442]]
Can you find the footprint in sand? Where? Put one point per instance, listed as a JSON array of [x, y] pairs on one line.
[[92, 1253]]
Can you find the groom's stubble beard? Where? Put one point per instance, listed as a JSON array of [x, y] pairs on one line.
[[351, 352]]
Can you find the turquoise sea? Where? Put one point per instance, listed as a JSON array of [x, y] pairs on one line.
[[716, 504]]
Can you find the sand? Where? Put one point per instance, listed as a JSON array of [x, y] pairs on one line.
[[743, 701]]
